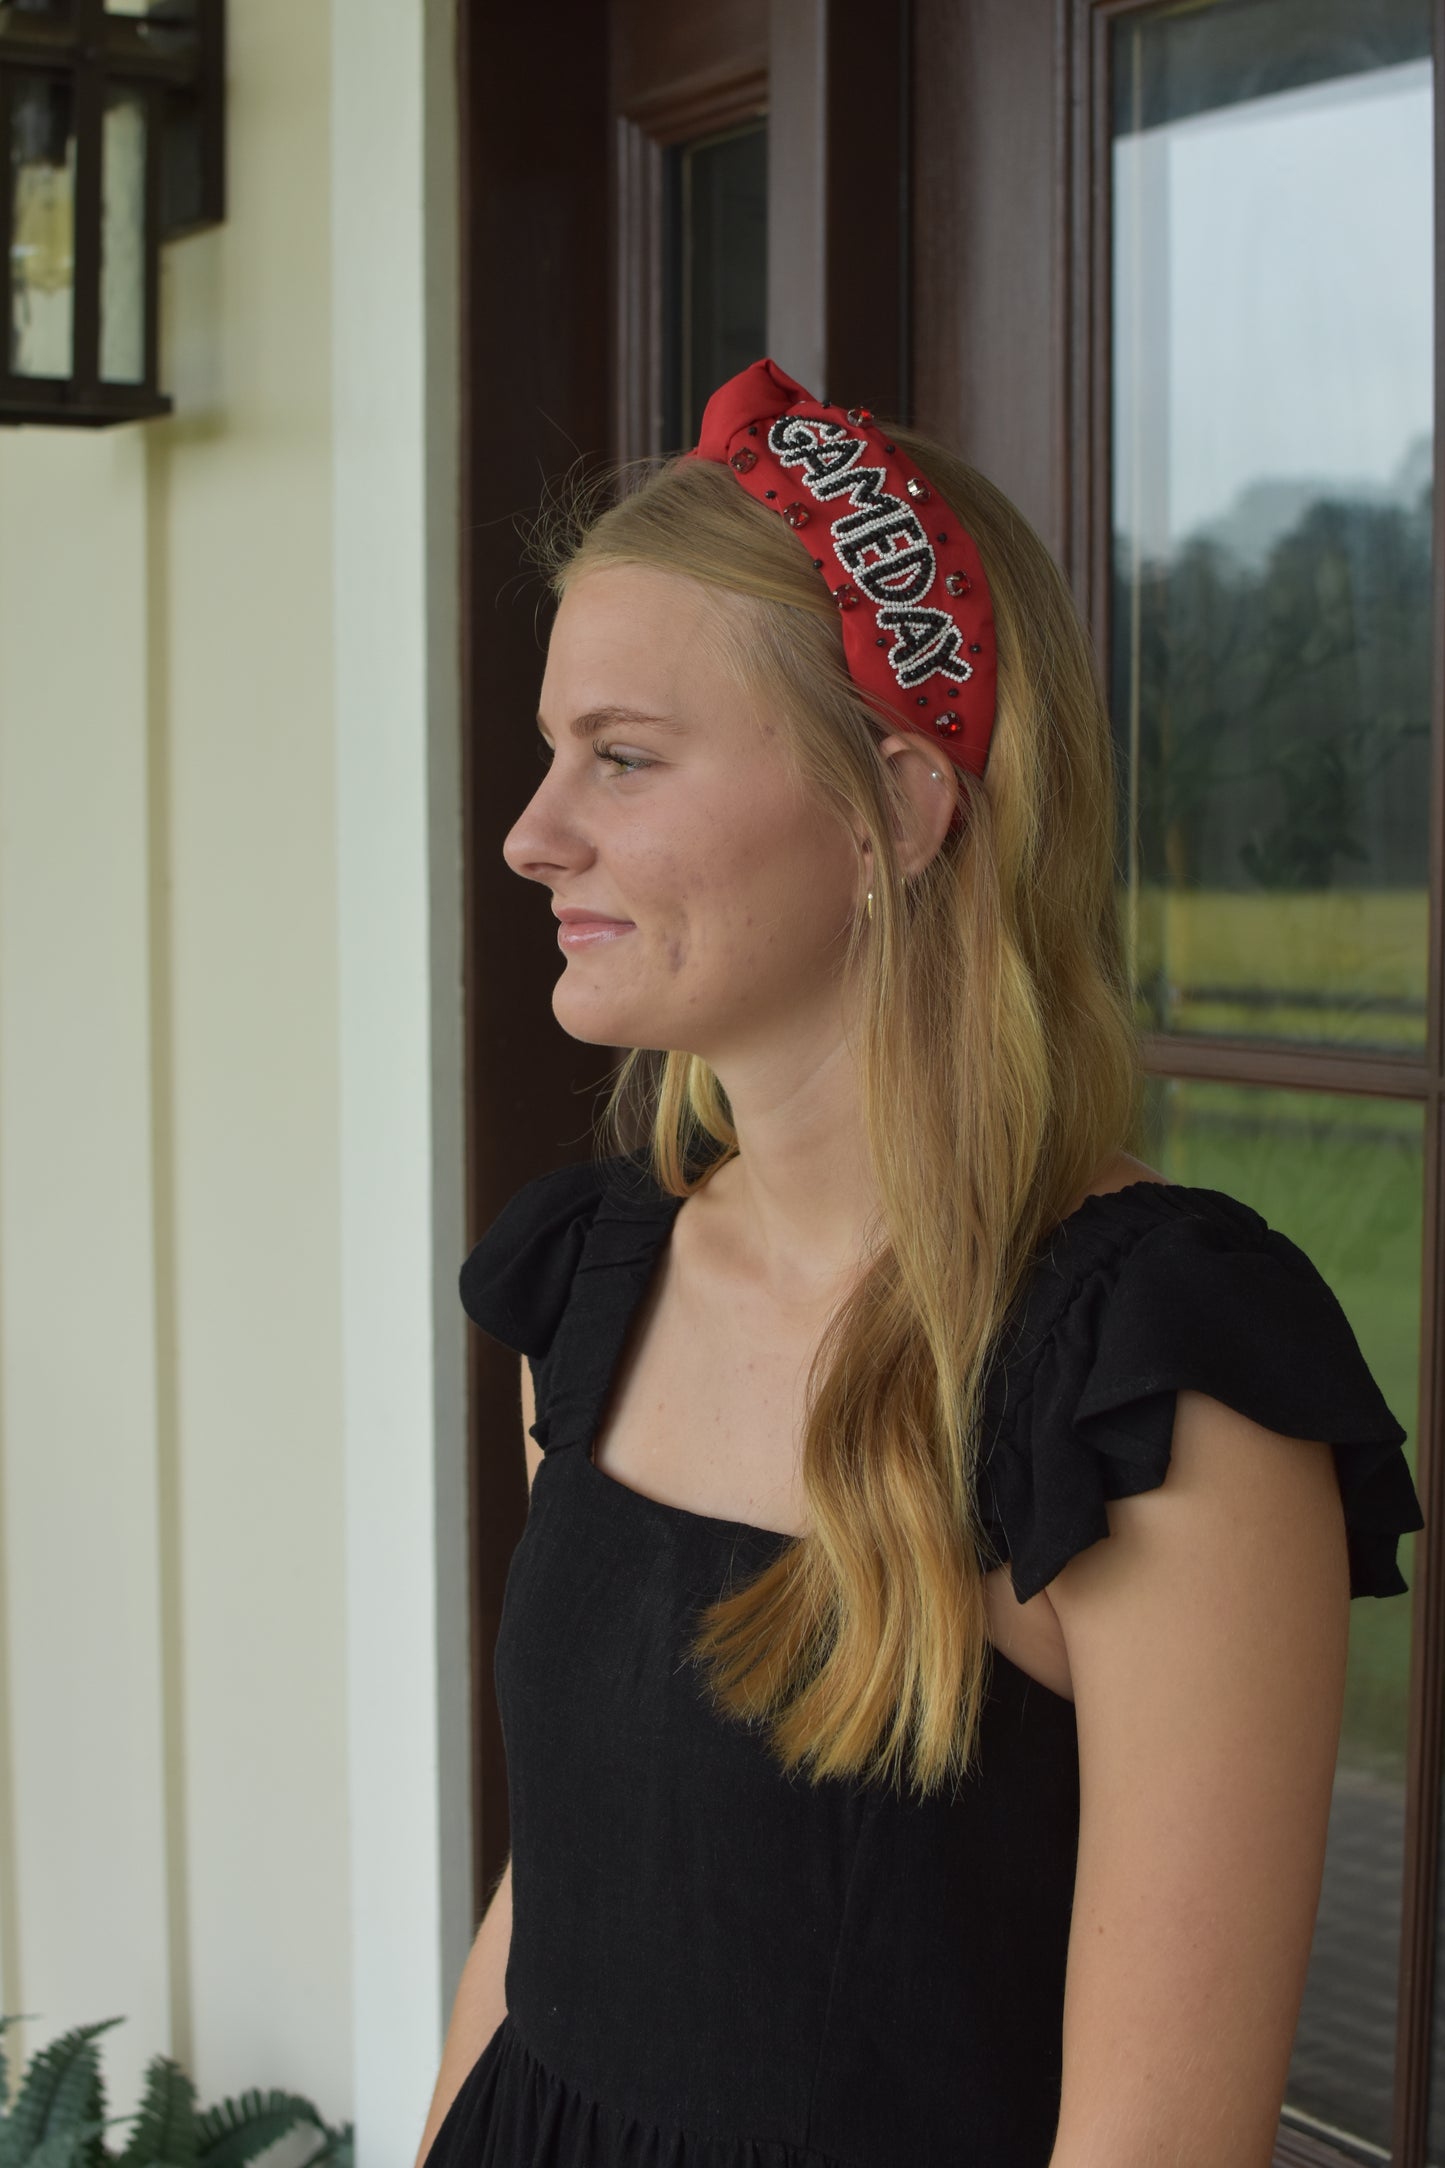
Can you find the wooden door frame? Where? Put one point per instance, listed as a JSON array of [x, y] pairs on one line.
[[1005, 101], [559, 213]]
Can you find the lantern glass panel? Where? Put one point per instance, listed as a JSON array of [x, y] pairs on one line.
[[122, 239], [42, 227]]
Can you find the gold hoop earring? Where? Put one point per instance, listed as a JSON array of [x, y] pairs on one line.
[[870, 906]]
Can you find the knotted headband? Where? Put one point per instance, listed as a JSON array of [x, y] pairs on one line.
[[916, 615]]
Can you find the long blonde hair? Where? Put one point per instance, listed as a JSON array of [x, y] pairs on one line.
[[998, 1065]]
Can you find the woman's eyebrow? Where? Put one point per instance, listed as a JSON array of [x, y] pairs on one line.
[[582, 726]]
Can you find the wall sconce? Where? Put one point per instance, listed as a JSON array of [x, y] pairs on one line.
[[111, 120]]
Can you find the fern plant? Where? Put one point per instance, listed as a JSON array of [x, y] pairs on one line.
[[58, 2117]]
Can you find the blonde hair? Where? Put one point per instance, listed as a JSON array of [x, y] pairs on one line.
[[996, 1015]]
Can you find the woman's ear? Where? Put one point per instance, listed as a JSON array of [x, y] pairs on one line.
[[929, 785]]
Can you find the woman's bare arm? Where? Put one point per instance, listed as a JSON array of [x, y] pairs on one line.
[[481, 2002], [478, 2010], [1206, 1641]]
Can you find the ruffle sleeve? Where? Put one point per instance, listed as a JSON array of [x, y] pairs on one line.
[[516, 1281], [1218, 1302]]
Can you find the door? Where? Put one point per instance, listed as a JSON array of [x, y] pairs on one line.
[[622, 255], [1176, 290], [1167, 273]]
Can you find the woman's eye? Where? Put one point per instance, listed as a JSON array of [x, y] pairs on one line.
[[626, 762]]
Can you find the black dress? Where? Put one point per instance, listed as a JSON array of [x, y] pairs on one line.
[[713, 1965]]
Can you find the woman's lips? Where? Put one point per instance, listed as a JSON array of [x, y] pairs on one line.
[[588, 932]]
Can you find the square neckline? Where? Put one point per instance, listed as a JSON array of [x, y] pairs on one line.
[[646, 1277], [776, 1540]]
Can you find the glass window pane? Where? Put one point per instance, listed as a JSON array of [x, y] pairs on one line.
[[715, 286], [42, 227], [1272, 466], [122, 239], [1344, 1178]]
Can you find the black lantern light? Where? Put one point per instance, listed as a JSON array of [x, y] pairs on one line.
[[111, 115]]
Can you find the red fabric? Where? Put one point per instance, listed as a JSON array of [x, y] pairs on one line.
[[925, 654]]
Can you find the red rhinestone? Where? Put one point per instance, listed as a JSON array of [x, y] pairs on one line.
[[918, 491], [958, 583], [796, 514], [846, 597], [947, 725], [859, 414], [743, 460]]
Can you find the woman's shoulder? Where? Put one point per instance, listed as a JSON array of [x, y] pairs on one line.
[[517, 1278], [1147, 1288]]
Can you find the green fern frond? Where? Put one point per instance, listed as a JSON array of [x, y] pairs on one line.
[[237, 2130], [55, 2099], [338, 2149], [64, 2148], [165, 2130], [14, 2017], [92, 2152]]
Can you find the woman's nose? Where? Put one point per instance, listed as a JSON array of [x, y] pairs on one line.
[[544, 839]]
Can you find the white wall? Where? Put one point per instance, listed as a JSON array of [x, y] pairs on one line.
[[233, 1690]]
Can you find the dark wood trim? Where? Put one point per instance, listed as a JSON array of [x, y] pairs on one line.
[[671, 67], [702, 108], [1065, 286], [1420, 1954], [825, 66], [644, 130], [536, 401], [990, 356], [88, 118], [1286, 1067], [839, 200], [637, 284], [1294, 2148], [797, 152]]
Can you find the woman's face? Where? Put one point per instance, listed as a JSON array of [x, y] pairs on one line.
[[733, 888]]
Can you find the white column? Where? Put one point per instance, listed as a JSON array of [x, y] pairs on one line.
[[394, 278]]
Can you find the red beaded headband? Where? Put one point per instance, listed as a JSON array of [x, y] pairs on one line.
[[910, 585]]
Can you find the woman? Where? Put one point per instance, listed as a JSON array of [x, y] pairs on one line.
[[867, 1807]]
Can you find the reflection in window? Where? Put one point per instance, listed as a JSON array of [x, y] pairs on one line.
[[42, 228], [1343, 1178], [715, 287], [1272, 470], [122, 239]]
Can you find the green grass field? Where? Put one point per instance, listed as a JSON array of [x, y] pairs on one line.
[[1337, 967]]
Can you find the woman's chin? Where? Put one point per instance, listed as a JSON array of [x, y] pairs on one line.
[[594, 1017]]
